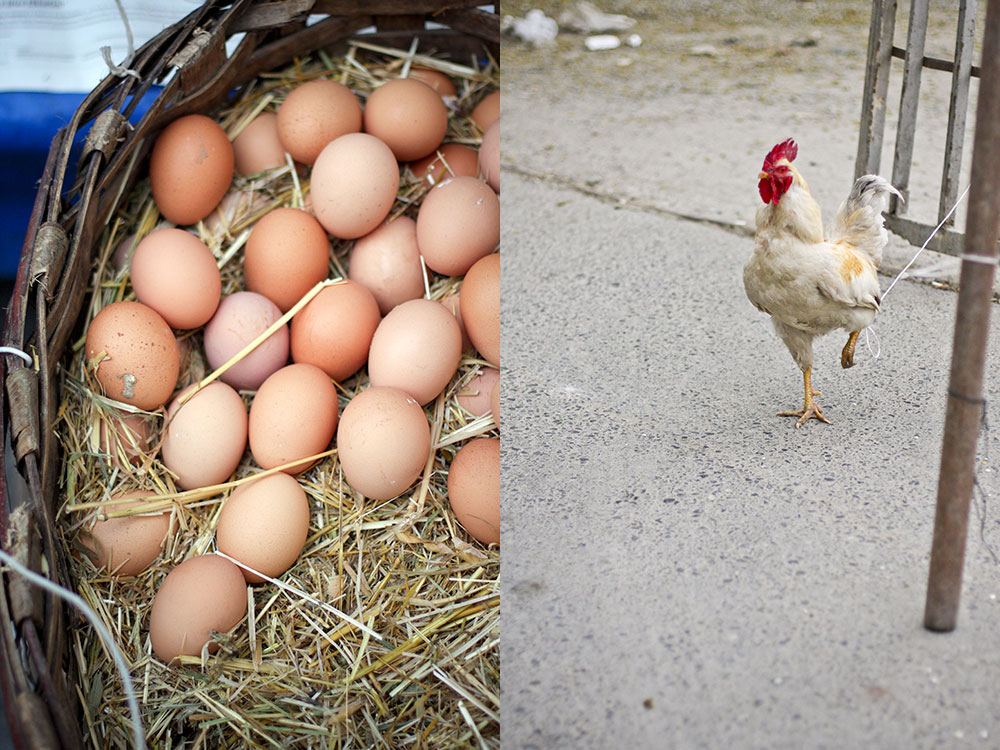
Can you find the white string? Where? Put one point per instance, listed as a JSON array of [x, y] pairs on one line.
[[301, 594], [929, 238], [138, 734], [973, 258], [123, 69], [14, 350]]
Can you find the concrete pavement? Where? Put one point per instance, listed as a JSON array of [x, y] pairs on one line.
[[682, 568]]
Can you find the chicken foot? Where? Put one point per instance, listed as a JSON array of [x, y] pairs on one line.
[[810, 410], [847, 355]]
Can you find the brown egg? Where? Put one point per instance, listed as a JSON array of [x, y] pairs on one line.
[[176, 274], [128, 545], [437, 80], [495, 402], [205, 437], [286, 255], [454, 303], [258, 147], [383, 442], [293, 415], [200, 595], [314, 114], [474, 488], [333, 332], [124, 438], [416, 348], [354, 184], [489, 156], [458, 223], [141, 362], [190, 168], [475, 396], [481, 306], [487, 111], [387, 263], [408, 116], [264, 524], [452, 159], [240, 319]]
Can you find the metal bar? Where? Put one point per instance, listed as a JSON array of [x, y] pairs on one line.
[[965, 400], [872, 129], [958, 108], [936, 63], [908, 101]]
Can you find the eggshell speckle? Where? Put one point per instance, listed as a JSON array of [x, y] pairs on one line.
[[264, 524], [458, 223], [481, 306], [142, 363], [314, 114], [387, 263], [354, 184], [408, 116], [190, 168], [474, 488], [205, 437], [200, 595], [293, 415], [176, 274], [240, 319], [416, 348], [334, 330], [286, 255], [383, 442], [129, 544]]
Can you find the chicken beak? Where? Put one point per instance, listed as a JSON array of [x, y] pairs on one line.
[[763, 175]]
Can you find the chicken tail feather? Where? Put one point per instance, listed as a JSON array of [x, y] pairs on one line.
[[859, 219]]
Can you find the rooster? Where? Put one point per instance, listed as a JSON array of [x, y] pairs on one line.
[[810, 284]]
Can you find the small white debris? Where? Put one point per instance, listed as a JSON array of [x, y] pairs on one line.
[[633, 40], [703, 50], [534, 28], [602, 42]]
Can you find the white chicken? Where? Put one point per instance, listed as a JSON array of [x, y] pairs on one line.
[[810, 284]]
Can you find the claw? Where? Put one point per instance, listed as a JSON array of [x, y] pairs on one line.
[[812, 411], [847, 355], [809, 410]]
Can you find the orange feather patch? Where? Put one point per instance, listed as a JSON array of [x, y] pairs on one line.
[[851, 262]]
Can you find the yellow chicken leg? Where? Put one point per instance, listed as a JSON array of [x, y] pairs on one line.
[[847, 356], [810, 410]]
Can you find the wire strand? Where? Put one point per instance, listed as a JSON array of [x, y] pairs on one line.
[[138, 733]]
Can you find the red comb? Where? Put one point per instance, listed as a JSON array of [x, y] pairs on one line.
[[784, 150]]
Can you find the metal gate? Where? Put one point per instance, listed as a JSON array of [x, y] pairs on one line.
[[873, 113]]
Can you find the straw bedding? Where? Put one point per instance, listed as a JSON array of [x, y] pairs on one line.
[[385, 632]]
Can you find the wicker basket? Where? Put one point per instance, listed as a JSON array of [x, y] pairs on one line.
[[36, 676]]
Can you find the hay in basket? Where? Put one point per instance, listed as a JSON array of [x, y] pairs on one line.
[[385, 632]]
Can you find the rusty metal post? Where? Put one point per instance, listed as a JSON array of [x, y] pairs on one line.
[[965, 401]]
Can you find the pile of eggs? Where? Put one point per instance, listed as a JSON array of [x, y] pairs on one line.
[[378, 318]]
